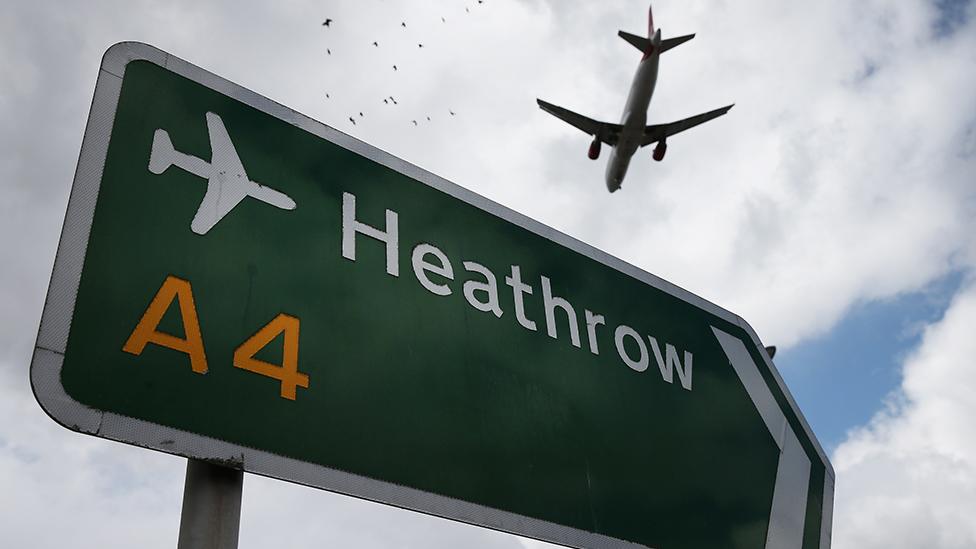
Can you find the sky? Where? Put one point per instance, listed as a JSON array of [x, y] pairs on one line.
[[833, 208]]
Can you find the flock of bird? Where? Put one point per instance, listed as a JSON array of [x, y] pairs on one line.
[[390, 100]]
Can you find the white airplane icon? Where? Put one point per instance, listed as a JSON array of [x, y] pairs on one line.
[[227, 182]]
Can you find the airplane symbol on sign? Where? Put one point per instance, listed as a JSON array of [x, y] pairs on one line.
[[227, 182]]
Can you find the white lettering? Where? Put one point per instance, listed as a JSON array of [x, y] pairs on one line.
[[551, 303], [672, 363], [618, 339], [519, 288], [434, 271], [421, 267], [350, 226], [592, 321], [489, 286]]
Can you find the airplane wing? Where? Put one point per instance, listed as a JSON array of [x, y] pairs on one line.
[[658, 132], [224, 156], [227, 185], [604, 131]]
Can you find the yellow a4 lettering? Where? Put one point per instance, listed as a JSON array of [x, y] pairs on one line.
[[287, 372], [146, 330]]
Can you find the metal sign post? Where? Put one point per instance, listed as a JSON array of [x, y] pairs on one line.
[[211, 515]]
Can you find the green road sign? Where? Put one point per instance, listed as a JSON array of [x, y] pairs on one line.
[[241, 284]]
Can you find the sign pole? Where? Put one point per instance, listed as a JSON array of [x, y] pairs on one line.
[[211, 515]]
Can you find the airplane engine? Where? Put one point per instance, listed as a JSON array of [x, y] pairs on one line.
[[594, 151], [659, 150]]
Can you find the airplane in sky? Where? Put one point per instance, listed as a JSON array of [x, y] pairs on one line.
[[227, 182], [632, 132]]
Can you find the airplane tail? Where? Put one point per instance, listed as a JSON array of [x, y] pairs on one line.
[[653, 41], [639, 42], [672, 42], [647, 45], [161, 156]]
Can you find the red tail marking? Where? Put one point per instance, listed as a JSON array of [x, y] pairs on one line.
[[650, 32]]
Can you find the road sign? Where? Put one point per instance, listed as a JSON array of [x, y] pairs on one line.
[[238, 283]]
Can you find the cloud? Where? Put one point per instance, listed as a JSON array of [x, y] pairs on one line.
[[908, 479], [827, 187], [843, 175], [65, 488]]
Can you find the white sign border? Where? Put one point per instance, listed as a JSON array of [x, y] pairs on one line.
[[59, 307]]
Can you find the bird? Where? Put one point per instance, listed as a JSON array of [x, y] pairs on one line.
[[353, 120], [376, 44], [481, 1], [394, 67], [428, 119], [443, 20], [450, 111], [328, 51], [327, 96], [394, 100], [414, 122], [327, 23], [403, 24], [387, 101], [466, 9], [420, 45], [360, 115]]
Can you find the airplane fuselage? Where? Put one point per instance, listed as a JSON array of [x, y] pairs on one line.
[[633, 132], [634, 118]]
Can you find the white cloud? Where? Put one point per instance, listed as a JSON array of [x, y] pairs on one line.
[[825, 189], [909, 478], [62, 488], [843, 174]]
